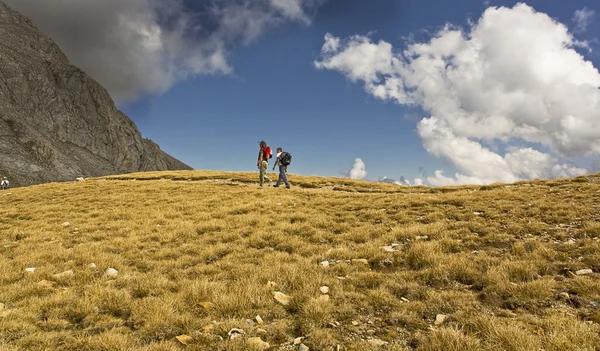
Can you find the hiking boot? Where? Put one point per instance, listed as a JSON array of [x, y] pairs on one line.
[[287, 187], [275, 186]]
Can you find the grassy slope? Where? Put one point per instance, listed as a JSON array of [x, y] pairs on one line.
[[194, 251]]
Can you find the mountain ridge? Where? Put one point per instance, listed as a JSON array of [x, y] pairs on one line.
[[56, 122]]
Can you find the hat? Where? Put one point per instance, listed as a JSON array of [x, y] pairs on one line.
[[263, 143]]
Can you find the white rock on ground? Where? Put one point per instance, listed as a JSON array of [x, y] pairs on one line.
[[324, 264], [259, 320], [324, 289], [111, 272], [584, 271], [235, 333], [92, 265], [30, 269], [439, 319], [282, 298], [303, 347], [66, 224]]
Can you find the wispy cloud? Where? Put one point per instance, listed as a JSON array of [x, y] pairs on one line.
[[583, 18], [139, 47], [477, 91]]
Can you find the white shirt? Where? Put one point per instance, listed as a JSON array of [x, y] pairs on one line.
[[279, 154]]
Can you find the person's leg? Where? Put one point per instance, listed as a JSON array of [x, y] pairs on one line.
[[262, 175], [280, 178], [283, 175], [263, 170]]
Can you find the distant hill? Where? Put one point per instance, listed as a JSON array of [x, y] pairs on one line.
[[57, 123]]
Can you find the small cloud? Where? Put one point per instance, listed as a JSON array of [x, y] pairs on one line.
[[359, 170], [582, 19]]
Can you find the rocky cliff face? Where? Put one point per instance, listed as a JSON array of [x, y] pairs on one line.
[[57, 123]]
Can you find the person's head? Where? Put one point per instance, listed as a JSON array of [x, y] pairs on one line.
[[279, 149], [263, 143]]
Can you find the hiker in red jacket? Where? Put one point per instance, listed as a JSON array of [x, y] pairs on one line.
[[264, 154]]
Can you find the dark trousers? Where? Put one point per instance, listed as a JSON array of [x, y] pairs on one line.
[[283, 176]]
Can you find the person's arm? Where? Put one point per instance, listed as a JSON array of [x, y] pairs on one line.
[[276, 162], [260, 156]]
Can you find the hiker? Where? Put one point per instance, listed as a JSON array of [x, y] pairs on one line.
[[264, 154], [283, 160], [4, 184]]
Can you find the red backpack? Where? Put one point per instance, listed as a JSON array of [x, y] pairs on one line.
[[266, 152]]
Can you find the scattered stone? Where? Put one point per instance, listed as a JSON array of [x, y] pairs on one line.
[[477, 213], [421, 237], [92, 265], [584, 271], [564, 295], [404, 299], [377, 342], [258, 344], [271, 285], [184, 339], [439, 319], [324, 290], [235, 333], [64, 274], [30, 269], [341, 278], [570, 242], [370, 332], [111, 272], [282, 298], [303, 347], [259, 320], [355, 323], [360, 261], [206, 305], [395, 246], [66, 224], [324, 264], [46, 283], [80, 179], [388, 249], [261, 331], [298, 341]]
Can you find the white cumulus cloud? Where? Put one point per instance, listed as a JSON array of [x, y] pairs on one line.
[[583, 18], [359, 170], [513, 78], [140, 47]]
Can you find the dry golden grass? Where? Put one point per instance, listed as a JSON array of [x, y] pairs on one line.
[[195, 251]]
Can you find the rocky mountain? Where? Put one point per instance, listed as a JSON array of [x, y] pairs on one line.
[[57, 123]]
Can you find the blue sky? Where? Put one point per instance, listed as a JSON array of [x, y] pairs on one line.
[[277, 94], [274, 91]]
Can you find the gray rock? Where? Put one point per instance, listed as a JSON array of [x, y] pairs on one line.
[[57, 123]]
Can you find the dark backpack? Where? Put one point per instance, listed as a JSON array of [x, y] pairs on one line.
[[285, 158]]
